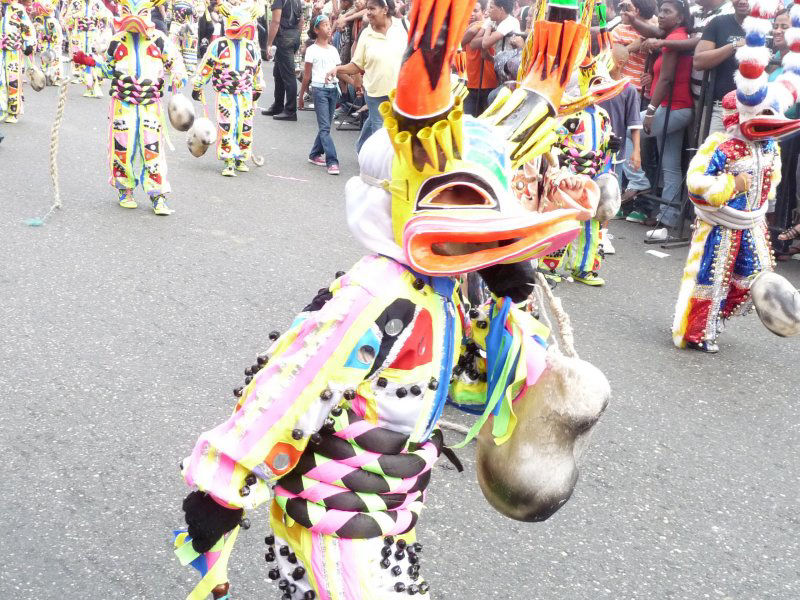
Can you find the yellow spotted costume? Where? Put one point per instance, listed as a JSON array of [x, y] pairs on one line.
[[50, 37], [85, 21], [141, 62], [17, 36], [233, 65]]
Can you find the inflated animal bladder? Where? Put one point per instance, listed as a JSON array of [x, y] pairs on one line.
[[532, 475], [777, 303], [201, 136], [37, 78], [181, 112]]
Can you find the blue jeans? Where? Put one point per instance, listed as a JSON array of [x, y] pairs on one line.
[[374, 120], [671, 154], [324, 105], [637, 179]]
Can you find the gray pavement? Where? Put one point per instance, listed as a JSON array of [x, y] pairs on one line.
[[124, 333]]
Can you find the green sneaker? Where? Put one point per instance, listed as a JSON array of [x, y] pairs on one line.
[[636, 216], [160, 206], [588, 278], [126, 199], [241, 166], [230, 169]]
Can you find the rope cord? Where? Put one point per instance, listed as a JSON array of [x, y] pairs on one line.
[[54, 131]]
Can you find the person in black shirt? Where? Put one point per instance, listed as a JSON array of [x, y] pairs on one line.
[[284, 32], [716, 51]]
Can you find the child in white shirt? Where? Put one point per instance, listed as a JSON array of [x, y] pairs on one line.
[[321, 58]]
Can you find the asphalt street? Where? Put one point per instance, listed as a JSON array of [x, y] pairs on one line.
[[124, 333]]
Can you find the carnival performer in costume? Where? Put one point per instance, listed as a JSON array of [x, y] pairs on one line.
[[139, 60], [85, 22], [342, 409], [50, 38], [730, 181], [183, 30], [586, 146], [233, 64], [17, 40]]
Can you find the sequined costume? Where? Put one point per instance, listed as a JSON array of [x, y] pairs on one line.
[[17, 37], [233, 65], [85, 21], [341, 411], [183, 31], [50, 38], [730, 180], [140, 61]]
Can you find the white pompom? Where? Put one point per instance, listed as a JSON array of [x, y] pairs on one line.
[[758, 54], [762, 26], [766, 7], [750, 86]]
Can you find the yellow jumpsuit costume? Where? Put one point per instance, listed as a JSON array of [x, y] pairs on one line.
[[85, 20], [17, 38], [233, 64], [50, 37]]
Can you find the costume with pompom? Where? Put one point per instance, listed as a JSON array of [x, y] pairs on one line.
[[140, 61], [730, 244], [17, 38], [183, 30], [338, 419], [233, 65]]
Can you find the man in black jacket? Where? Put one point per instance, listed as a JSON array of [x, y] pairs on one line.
[[284, 33]]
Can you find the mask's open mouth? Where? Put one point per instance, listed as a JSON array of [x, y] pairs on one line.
[[766, 127], [600, 89], [450, 243]]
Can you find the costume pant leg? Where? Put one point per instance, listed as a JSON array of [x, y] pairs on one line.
[[151, 144], [348, 569], [705, 283], [244, 124], [13, 62], [123, 144], [225, 124], [754, 257], [585, 249]]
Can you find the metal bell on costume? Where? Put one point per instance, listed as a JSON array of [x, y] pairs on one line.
[[181, 112]]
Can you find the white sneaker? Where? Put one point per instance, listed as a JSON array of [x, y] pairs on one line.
[[657, 235], [605, 242]]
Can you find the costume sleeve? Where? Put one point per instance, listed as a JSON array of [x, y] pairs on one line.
[[258, 77], [27, 30], [502, 355], [206, 66], [708, 183], [321, 359]]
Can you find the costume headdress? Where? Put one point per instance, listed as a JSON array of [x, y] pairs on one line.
[[134, 15], [452, 209], [240, 18], [43, 8], [594, 73], [760, 105]]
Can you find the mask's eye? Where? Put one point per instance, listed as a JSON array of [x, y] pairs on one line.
[[768, 112], [456, 190]]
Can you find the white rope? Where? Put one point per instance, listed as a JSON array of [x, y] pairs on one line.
[[562, 318], [54, 131]]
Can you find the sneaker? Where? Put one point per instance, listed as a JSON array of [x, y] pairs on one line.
[[605, 242], [317, 160], [126, 199], [636, 217], [160, 206], [657, 235], [230, 168], [333, 170], [241, 166], [11, 119], [588, 278]]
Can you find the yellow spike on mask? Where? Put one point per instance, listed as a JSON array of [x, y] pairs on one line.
[[441, 131], [425, 136]]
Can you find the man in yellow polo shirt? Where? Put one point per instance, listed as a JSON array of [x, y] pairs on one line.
[[377, 57]]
